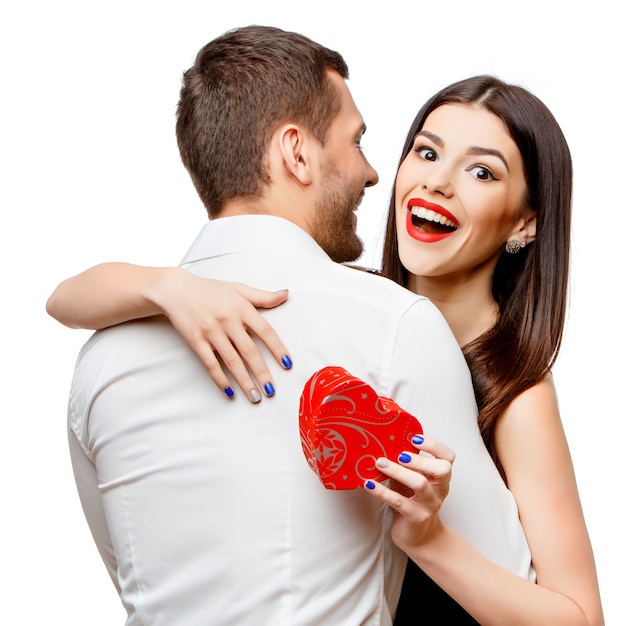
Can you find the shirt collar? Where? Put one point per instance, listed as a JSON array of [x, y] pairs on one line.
[[251, 233]]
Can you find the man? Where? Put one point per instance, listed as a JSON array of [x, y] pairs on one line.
[[205, 511]]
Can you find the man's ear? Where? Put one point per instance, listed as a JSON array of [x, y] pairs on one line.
[[526, 229], [296, 148]]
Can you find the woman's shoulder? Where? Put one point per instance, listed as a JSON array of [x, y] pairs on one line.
[[532, 422], [533, 405]]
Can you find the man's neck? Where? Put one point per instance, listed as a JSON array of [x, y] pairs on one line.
[[243, 206], [269, 204]]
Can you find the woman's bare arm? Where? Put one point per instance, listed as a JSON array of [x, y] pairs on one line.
[[215, 318], [533, 450]]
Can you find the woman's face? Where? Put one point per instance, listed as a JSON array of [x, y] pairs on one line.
[[459, 194]]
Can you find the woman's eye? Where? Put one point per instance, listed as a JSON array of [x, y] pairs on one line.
[[427, 154], [480, 172]]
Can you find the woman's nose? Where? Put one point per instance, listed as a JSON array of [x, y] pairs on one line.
[[438, 180]]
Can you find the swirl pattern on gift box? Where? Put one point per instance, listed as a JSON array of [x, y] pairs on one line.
[[345, 426]]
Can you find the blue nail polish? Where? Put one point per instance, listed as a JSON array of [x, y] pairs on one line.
[[229, 392], [269, 389], [370, 484], [417, 440], [404, 458], [287, 363]]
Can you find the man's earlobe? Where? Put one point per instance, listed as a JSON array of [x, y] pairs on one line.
[[294, 151]]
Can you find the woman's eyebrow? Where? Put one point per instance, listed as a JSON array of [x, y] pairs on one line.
[[478, 150], [436, 139], [473, 150]]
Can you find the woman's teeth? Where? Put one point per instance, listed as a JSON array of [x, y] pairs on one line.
[[431, 221]]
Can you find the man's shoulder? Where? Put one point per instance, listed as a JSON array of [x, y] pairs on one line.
[[372, 285], [131, 341], [304, 273]]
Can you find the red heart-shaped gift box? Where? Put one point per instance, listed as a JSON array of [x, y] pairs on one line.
[[345, 426]]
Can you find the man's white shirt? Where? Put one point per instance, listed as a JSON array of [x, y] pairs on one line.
[[204, 508]]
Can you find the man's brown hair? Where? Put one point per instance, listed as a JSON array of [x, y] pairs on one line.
[[242, 86]]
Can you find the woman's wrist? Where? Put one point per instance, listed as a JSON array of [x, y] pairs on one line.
[[162, 287], [427, 545]]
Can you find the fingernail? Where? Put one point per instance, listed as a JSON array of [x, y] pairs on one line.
[[269, 389], [404, 458], [382, 463], [229, 392], [417, 440], [287, 363], [255, 396], [370, 484]]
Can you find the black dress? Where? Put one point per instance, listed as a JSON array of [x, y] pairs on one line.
[[423, 601]]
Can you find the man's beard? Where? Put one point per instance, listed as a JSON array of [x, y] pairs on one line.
[[335, 228]]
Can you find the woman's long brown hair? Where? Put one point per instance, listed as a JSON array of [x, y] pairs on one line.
[[530, 287]]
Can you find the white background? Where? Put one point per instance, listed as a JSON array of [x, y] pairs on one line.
[[90, 172]]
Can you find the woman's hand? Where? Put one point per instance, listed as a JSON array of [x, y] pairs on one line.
[[420, 484], [215, 318], [218, 318]]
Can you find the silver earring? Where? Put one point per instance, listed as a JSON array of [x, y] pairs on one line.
[[513, 246]]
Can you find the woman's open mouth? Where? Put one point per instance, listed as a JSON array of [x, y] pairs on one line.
[[429, 222]]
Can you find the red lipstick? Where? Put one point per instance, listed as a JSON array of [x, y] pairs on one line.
[[433, 207], [424, 236]]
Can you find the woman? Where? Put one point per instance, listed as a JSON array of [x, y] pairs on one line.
[[479, 223]]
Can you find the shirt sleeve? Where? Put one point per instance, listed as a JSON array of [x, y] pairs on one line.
[[429, 377]]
